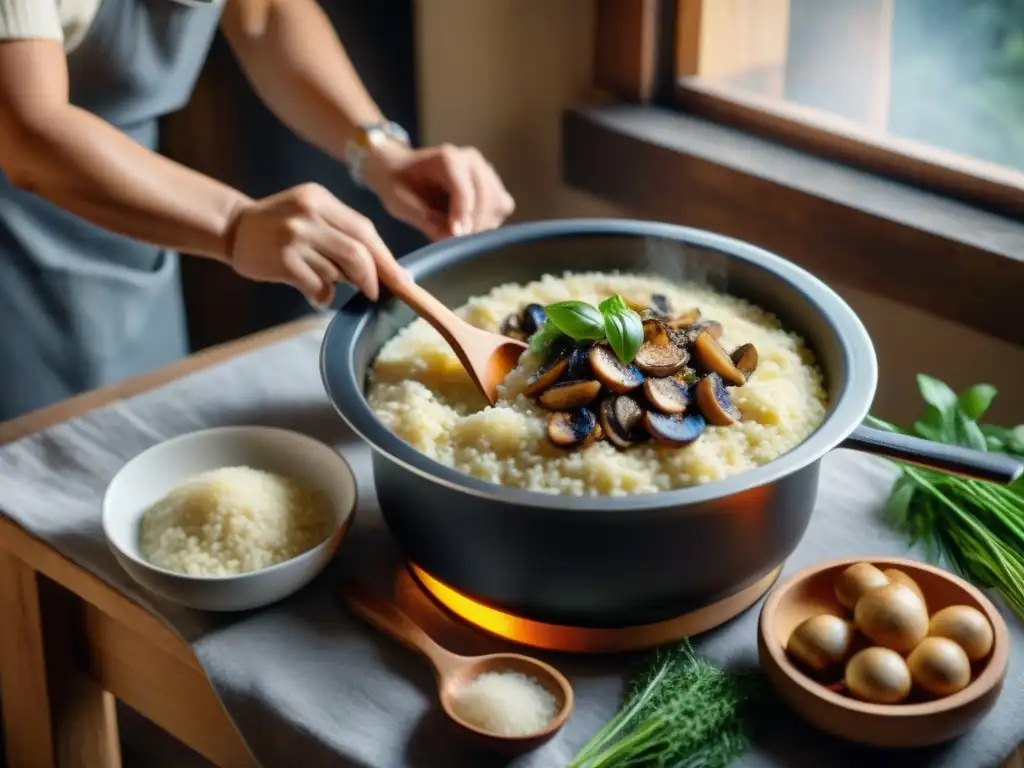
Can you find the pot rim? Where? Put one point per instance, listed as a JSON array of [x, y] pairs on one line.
[[848, 409]]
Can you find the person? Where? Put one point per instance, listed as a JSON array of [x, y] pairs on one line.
[[91, 216]]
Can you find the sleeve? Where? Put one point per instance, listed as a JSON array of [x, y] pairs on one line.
[[21, 19]]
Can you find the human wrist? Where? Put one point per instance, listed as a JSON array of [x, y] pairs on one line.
[[230, 237], [374, 151], [382, 161]]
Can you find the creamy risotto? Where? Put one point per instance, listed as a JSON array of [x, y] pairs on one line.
[[419, 390]]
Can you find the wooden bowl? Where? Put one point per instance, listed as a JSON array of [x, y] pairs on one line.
[[917, 723]]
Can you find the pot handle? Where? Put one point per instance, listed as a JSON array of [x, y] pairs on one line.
[[978, 465]]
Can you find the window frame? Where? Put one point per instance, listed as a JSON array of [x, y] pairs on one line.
[[972, 180], [921, 231]]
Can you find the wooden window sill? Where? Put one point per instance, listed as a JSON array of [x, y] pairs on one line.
[[843, 224]]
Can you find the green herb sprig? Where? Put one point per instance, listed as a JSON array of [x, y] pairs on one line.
[[612, 320], [681, 710], [977, 526]]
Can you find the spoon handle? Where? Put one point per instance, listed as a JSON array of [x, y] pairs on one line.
[[385, 616], [422, 301]]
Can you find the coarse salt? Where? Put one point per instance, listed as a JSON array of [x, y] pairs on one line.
[[505, 703]]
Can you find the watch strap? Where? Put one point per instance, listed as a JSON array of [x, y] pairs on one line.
[[367, 136]]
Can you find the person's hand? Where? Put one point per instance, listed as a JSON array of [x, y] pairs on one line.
[[442, 191], [307, 238]]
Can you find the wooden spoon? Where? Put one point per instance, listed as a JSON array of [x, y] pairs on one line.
[[487, 357], [453, 671]]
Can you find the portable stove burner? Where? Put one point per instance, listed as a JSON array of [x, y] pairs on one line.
[[555, 637]]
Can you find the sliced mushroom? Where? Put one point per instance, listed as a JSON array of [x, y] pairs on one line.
[[709, 353], [656, 306], [689, 334], [713, 327], [681, 429], [637, 306], [714, 402], [660, 305], [533, 318], [685, 319], [510, 327], [745, 359], [568, 428], [610, 372], [656, 331], [618, 435], [669, 395], [547, 374], [627, 412], [594, 436], [579, 364], [569, 395], [660, 359]]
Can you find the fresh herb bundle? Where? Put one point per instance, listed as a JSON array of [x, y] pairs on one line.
[[977, 526], [680, 711], [612, 319]]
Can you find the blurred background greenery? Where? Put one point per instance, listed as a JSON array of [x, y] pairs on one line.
[[958, 76]]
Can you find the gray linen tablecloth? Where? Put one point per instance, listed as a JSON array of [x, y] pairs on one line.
[[308, 685]]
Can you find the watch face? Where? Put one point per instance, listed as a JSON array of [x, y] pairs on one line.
[[364, 138], [378, 133]]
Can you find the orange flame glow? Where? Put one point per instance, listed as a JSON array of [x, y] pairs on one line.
[[557, 637]]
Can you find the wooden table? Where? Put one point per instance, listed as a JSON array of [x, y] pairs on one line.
[[71, 645]]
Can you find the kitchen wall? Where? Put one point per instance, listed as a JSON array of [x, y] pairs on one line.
[[498, 73]]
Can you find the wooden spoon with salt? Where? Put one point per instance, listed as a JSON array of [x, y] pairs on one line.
[[487, 357], [453, 671]]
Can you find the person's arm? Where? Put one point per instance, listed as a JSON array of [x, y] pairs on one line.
[[84, 165], [295, 62], [304, 236]]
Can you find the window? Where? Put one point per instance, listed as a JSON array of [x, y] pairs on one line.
[[932, 90], [876, 143]]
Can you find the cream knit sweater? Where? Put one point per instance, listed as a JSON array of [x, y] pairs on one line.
[[67, 21]]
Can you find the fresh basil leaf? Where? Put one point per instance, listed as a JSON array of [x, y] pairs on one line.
[[1016, 441], [546, 335], [940, 411], [995, 445], [623, 328], [896, 511], [974, 401], [970, 434], [885, 426], [928, 431], [577, 319], [625, 335], [1003, 440], [614, 303], [936, 392], [938, 425]]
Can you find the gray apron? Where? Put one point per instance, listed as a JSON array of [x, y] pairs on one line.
[[81, 307]]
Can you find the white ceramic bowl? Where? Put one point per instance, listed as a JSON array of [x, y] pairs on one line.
[[156, 471]]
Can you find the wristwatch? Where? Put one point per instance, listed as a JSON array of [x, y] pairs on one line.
[[368, 136]]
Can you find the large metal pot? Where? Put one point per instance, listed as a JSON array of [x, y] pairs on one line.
[[604, 561]]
